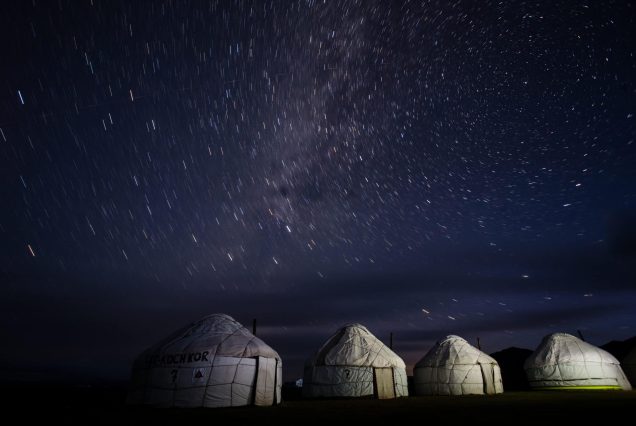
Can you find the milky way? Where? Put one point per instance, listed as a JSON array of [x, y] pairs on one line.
[[259, 147]]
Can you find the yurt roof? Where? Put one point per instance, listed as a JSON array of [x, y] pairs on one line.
[[216, 334], [560, 348], [354, 345], [453, 350]]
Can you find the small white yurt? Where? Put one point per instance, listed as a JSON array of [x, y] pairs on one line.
[[563, 361], [214, 362], [454, 367], [354, 363], [629, 366]]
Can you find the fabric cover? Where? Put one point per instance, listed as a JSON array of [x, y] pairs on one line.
[[563, 361], [344, 367], [214, 362], [384, 384], [454, 367]]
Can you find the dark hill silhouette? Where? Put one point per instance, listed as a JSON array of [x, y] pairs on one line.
[[620, 348], [511, 363]]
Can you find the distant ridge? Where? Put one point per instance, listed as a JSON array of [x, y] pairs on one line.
[[511, 363], [620, 348]]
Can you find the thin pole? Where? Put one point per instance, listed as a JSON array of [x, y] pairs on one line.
[[478, 344], [391, 341], [254, 326]]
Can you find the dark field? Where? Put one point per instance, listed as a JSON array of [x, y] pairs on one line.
[[104, 406]]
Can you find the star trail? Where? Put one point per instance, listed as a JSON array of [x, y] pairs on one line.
[[420, 167]]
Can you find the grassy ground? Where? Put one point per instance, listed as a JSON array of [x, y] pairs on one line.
[[88, 406]]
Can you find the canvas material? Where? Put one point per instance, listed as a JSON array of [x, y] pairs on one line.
[[454, 367], [343, 366], [218, 333], [203, 365], [265, 393], [488, 376], [563, 360], [401, 382], [384, 383], [342, 381], [337, 381], [356, 346], [279, 381]]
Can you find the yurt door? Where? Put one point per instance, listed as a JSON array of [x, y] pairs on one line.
[[488, 375], [265, 381], [384, 385]]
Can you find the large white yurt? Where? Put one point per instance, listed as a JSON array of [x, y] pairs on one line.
[[629, 366], [454, 367], [563, 361], [354, 363], [214, 362]]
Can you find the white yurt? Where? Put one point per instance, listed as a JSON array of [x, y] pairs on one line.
[[454, 367], [629, 366], [354, 363], [214, 362], [563, 361]]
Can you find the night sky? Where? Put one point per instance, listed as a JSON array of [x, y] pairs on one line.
[[423, 168]]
